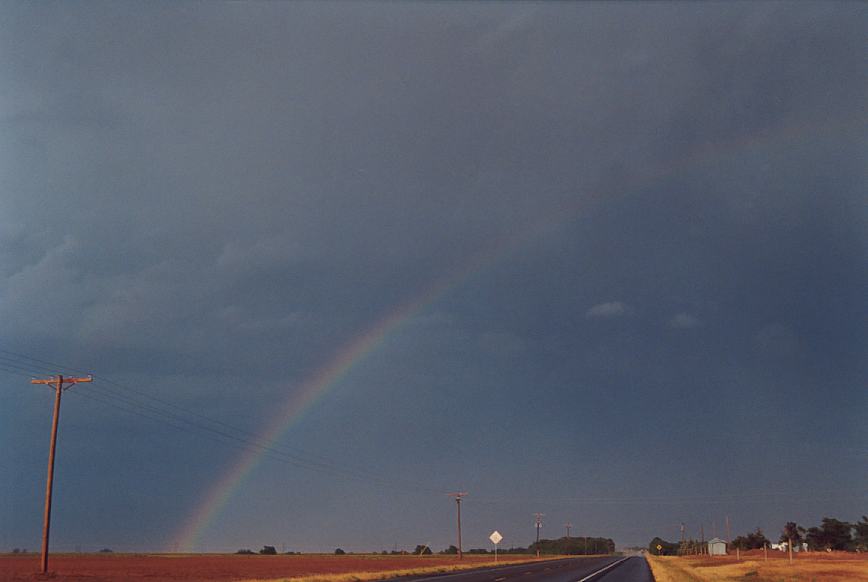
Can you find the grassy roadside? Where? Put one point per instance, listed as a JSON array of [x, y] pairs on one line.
[[384, 574], [805, 569], [670, 569]]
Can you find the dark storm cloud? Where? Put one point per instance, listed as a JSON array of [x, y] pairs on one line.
[[232, 191]]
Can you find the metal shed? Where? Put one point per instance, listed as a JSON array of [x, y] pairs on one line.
[[716, 547]]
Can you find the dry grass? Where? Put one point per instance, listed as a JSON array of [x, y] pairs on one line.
[[807, 568], [383, 574]]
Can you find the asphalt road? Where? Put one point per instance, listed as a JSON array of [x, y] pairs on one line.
[[606, 569]]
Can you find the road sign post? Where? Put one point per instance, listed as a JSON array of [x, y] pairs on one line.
[[495, 538]]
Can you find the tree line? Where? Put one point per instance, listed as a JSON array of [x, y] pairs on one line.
[[574, 546], [565, 546], [570, 546]]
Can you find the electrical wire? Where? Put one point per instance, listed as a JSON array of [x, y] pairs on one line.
[[176, 416]]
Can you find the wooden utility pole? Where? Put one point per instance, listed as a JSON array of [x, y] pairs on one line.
[[458, 497], [539, 517], [60, 384]]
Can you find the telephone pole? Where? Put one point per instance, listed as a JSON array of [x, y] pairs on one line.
[[458, 497], [60, 384], [539, 517], [569, 527]]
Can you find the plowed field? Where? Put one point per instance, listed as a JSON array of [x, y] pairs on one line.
[[156, 567]]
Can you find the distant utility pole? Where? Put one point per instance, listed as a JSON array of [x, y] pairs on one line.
[[458, 497], [568, 526], [60, 384], [539, 517], [727, 529]]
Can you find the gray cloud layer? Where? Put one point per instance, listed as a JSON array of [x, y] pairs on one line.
[[230, 192]]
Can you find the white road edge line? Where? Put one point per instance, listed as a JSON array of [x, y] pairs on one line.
[[612, 565]]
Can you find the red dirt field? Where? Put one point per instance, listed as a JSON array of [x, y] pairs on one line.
[[221, 567]]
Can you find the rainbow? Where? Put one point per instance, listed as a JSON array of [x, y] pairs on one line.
[[303, 397], [318, 384]]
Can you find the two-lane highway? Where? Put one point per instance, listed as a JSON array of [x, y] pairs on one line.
[[598, 569]]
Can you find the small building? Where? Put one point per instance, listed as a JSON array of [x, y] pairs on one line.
[[784, 546], [716, 547]]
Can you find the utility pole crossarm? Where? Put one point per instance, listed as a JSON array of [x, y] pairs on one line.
[[62, 380]]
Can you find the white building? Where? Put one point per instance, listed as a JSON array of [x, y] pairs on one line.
[[783, 546], [716, 547]]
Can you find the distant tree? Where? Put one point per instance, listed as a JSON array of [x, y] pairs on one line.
[[666, 548], [755, 540], [832, 534], [422, 550], [106, 551], [15, 550], [245, 551], [268, 551], [339, 552], [450, 550], [860, 534], [792, 534], [574, 546], [514, 550]]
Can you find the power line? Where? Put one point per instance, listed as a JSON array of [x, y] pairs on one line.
[[172, 418], [176, 416], [245, 435]]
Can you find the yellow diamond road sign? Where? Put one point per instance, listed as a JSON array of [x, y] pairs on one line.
[[495, 537]]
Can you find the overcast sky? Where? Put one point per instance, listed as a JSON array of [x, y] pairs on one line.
[[636, 233]]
